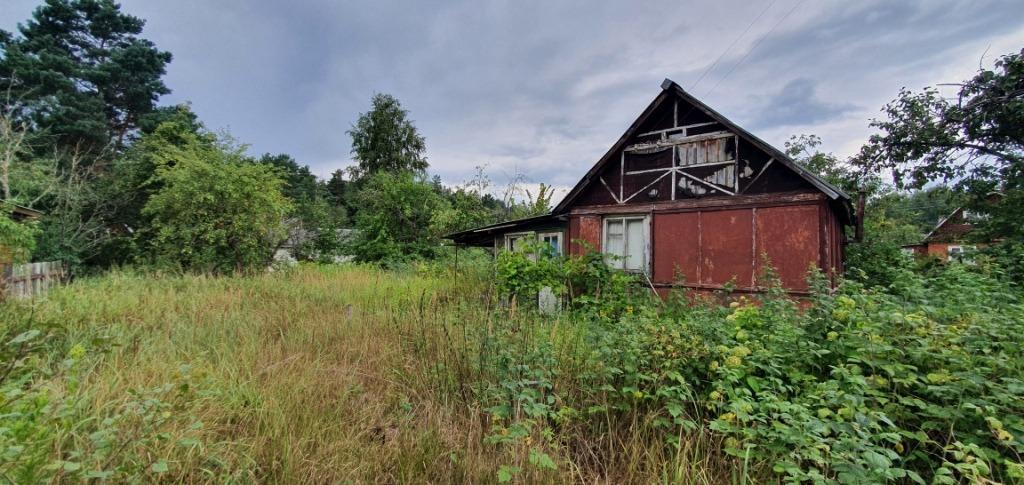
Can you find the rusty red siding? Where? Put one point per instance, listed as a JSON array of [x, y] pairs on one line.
[[676, 248], [584, 230], [788, 239], [727, 253], [708, 243]]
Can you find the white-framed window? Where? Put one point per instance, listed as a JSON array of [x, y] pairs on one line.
[[517, 241], [963, 253], [628, 240], [551, 242]]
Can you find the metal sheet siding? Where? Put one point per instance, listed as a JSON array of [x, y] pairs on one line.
[[676, 241], [788, 238], [726, 247], [584, 229]]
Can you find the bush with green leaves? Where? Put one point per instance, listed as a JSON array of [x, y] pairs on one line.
[[396, 221], [53, 429], [17, 239], [919, 381], [213, 211]]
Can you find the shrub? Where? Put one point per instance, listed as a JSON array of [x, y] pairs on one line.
[[216, 213], [920, 381]]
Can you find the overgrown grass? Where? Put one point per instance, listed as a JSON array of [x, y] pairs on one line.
[[352, 374]]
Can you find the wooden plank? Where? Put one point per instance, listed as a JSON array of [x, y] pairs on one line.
[[761, 200]]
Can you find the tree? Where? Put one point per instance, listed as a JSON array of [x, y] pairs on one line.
[[384, 139], [974, 141], [397, 220], [299, 182], [804, 150], [214, 211], [79, 71]]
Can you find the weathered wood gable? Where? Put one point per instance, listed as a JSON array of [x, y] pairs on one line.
[[681, 149]]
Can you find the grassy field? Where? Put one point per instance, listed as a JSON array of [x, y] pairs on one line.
[[319, 374], [347, 374]]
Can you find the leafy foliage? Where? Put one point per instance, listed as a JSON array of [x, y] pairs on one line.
[[396, 222], [17, 239], [385, 140], [213, 210], [974, 141], [920, 381]]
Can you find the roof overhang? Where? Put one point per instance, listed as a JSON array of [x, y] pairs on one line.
[[21, 213], [484, 236]]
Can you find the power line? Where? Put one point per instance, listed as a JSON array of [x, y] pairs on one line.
[[733, 44], [752, 49]]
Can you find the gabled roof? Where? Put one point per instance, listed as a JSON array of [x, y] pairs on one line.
[[950, 228], [669, 87]]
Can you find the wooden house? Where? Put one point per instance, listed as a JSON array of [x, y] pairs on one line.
[[949, 239], [693, 200]]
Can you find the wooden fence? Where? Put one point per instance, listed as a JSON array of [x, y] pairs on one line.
[[30, 279]]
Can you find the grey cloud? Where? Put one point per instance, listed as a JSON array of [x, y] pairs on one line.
[[798, 104], [542, 87]]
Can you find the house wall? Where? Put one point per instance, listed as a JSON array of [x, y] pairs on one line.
[[941, 249], [499, 238], [708, 243]]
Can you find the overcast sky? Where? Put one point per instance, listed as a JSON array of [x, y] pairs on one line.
[[545, 88]]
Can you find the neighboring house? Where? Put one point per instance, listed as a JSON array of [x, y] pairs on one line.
[[692, 200], [289, 250], [948, 240]]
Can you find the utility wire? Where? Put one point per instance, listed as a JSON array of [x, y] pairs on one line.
[[733, 44], [752, 49]]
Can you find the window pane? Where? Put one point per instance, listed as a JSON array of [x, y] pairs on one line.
[[635, 245], [554, 243], [615, 248], [615, 227], [515, 243]]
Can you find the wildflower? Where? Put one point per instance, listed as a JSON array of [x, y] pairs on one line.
[[715, 396], [638, 394], [731, 442], [721, 349], [747, 408], [734, 305], [939, 377], [741, 351], [741, 335], [733, 361], [728, 417], [832, 336], [899, 447], [713, 366], [846, 302], [1003, 435], [77, 352], [824, 413]]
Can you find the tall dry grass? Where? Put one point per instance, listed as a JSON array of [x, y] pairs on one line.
[[333, 375]]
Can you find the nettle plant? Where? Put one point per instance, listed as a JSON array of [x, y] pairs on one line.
[[921, 381]]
